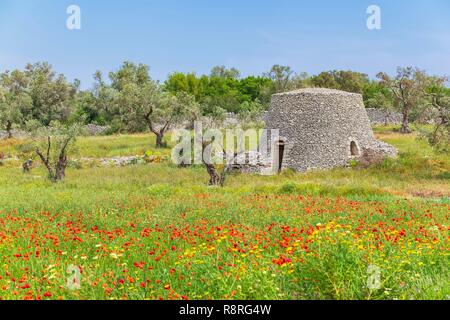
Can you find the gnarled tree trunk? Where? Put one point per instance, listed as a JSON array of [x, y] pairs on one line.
[[9, 129], [214, 177], [158, 133], [61, 166], [159, 139], [405, 123], [27, 165], [46, 159], [58, 173]]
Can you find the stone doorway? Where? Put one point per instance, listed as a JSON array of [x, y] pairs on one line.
[[278, 155], [354, 149]]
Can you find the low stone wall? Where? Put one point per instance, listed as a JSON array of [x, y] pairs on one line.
[[15, 133], [96, 130], [378, 116]]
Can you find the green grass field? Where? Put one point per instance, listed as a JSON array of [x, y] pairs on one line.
[[156, 231]]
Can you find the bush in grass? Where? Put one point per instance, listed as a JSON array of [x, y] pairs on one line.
[[288, 188], [306, 189], [74, 164], [444, 175], [25, 150]]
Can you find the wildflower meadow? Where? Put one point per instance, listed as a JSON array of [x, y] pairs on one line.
[[155, 231]]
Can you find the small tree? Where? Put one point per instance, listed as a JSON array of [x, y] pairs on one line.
[[53, 145], [281, 77], [223, 72], [52, 95], [217, 173], [349, 81], [15, 102], [157, 110], [103, 93], [408, 89], [12, 111], [141, 102], [251, 113], [217, 160], [439, 101], [169, 111]]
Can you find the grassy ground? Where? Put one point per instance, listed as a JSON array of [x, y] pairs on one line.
[[156, 231]]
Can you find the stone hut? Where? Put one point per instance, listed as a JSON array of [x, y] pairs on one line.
[[320, 129]]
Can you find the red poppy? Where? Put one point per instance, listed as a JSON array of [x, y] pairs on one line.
[[282, 260]]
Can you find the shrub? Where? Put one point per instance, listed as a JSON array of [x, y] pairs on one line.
[[305, 189], [25, 150], [288, 188], [370, 157], [444, 175], [74, 164]]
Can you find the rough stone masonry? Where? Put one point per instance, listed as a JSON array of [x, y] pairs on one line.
[[320, 129]]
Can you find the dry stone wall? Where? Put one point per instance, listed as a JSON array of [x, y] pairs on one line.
[[377, 116]]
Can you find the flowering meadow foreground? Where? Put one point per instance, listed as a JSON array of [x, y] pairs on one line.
[[314, 248], [156, 232]]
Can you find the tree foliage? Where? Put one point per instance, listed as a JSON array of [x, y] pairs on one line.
[[52, 95], [439, 102], [15, 102], [224, 73], [53, 144], [129, 100], [141, 102], [407, 87], [342, 80]]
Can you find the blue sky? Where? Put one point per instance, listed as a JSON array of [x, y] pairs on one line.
[[251, 35]]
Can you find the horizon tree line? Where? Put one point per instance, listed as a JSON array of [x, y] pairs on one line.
[[129, 100]]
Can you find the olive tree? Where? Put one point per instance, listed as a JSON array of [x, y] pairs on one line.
[[223, 72], [53, 145], [251, 114], [407, 87], [439, 102], [344, 80], [281, 77], [52, 95], [218, 159], [141, 102], [159, 111], [15, 102]]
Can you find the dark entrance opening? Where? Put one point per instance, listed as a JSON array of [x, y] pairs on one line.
[[354, 149], [279, 155]]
